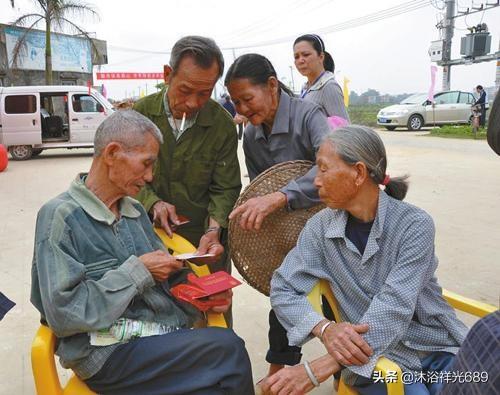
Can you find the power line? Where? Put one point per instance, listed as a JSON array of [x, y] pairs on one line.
[[352, 23], [400, 9]]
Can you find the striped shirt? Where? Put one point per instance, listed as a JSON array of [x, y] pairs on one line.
[[326, 93], [391, 286]]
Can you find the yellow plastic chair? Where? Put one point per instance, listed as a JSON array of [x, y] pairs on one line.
[[42, 349], [385, 366]]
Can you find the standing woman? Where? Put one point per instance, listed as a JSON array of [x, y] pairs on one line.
[[282, 128], [313, 62]]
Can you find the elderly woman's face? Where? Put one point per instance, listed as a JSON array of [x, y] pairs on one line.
[[335, 180], [258, 103]]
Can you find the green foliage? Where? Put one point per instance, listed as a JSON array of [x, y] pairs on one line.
[[458, 132], [364, 114]]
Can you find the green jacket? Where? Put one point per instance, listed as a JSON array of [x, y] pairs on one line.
[[199, 173]]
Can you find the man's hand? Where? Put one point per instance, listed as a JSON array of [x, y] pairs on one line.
[[165, 216], [254, 210], [227, 296], [160, 264], [344, 342], [238, 118], [209, 244]]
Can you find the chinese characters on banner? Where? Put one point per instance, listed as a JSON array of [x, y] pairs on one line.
[[129, 76]]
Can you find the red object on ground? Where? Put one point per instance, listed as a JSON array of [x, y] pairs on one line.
[[4, 160]]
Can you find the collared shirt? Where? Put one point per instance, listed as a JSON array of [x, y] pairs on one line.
[[86, 274], [177, 130], [391, 286], [327, 93], [298, 130], [199, 173]]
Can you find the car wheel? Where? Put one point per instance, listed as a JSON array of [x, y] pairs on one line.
[[415, 122], [21, 152], [391, 128], [37, 151]]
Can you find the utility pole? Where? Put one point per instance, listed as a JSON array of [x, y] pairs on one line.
[[449, 25]]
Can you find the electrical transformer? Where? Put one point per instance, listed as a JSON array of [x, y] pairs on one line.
[[475, 44]]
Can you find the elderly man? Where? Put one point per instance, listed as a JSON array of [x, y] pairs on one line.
[[198, 173], [98, 265]]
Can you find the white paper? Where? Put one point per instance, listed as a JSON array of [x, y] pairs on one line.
[[190, 255]]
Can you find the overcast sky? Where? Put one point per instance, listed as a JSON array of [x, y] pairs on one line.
[[390, 55]]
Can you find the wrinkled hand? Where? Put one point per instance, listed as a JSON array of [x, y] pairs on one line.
[[165, 216], [226, 295], [209, 244], [254, 210], [291, 380], [344, 342], [160, 264]]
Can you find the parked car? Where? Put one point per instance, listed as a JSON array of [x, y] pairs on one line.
[[35, 118], [451, 107]]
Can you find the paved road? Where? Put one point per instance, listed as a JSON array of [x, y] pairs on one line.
[[456, 181]]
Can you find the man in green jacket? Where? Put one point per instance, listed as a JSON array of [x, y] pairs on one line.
[[197, 174]]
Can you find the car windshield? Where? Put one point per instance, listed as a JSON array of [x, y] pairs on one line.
[[415, 99]]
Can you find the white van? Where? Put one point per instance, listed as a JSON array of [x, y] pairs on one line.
[[34, 118]]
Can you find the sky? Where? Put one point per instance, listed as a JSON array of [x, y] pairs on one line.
[[390, 55]]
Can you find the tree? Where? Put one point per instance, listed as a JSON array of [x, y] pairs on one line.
[[56, 15]]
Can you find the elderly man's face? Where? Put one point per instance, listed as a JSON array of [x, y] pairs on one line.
[[335, 179], [190, 88], [132, 167]]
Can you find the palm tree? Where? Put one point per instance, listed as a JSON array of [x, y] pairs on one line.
[[55, 14]]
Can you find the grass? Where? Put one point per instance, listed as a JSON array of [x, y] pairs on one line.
[[365, 114], [458, 132]]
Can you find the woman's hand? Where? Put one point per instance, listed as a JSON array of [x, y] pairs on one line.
[[254, 210], [292, 380], [344, 342]]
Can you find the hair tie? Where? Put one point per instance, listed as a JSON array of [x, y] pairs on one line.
[[387, 180]]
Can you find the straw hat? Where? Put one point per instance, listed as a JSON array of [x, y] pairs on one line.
[[257, 254]]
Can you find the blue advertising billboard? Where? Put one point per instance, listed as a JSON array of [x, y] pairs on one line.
[[68, 53]]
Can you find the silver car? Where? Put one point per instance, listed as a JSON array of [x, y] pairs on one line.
[[452, 107]]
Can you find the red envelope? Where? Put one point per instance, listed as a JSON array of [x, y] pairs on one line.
[[198, 289]]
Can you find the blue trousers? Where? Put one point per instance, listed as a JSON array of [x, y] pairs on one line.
[[435, 362], [209, 361]]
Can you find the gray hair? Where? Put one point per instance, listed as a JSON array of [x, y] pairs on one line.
[[203, 50], [357, 143], [127, 127]]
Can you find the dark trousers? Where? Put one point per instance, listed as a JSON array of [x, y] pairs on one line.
[[482, 119], [280, 352], [209, 361]]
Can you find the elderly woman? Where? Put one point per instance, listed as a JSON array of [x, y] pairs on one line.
[[282, 128], [377, 253]]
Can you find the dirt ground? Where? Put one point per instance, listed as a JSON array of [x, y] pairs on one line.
[[456, 181]]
